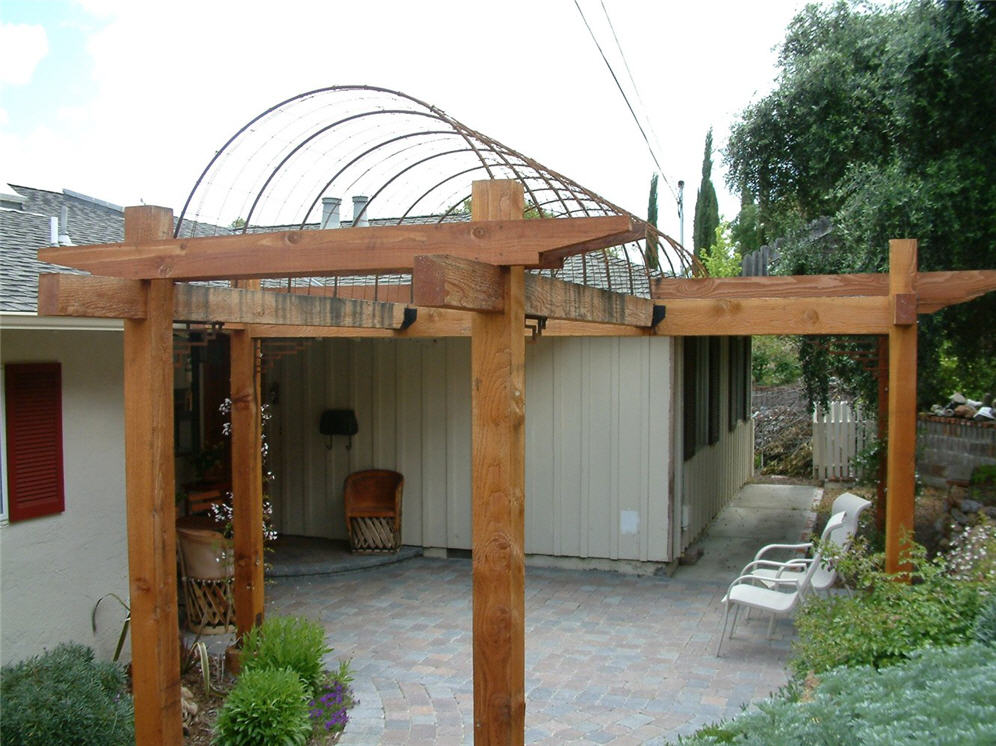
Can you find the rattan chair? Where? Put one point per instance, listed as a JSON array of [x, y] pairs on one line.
[[373, 510]]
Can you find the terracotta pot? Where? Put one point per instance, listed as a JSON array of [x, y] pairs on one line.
[[205, 554]]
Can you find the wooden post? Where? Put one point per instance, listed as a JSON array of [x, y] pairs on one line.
[[149, 481], [247, 484], [498, 418], [902, 404]]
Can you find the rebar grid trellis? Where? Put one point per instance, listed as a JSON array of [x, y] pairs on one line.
[[412, 162]]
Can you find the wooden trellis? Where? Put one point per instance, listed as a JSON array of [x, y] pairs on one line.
[[468, 279]]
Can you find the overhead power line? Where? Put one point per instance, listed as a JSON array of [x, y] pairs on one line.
[[622, 91]]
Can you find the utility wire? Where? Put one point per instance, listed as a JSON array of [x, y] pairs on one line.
[[622, 92], [636, 90]]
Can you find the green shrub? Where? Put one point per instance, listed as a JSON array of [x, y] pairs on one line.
[[266, 706], [938, 696], [65, 696], [985, 623], [287, 642], [886, 620]]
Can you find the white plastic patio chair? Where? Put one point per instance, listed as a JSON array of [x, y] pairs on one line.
[[777, 595], [852, 506]]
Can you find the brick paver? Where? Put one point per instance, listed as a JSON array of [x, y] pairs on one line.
[[610, 658]]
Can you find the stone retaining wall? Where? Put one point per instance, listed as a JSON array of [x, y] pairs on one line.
[[949, 448]]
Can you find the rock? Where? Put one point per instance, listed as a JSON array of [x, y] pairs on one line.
[[990, 510], [958, 517], [970, 506], [965, 411]]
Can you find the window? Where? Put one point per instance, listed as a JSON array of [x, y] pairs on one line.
[[715, 356], [739, 374], [701, 381], [33, 433]]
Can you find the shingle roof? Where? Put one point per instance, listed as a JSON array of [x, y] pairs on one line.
[[24, 231], [93, 221]]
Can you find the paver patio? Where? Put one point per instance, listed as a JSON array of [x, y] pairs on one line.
[[610, 658]]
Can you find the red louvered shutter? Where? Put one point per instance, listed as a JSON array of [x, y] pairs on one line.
[[33, 403]]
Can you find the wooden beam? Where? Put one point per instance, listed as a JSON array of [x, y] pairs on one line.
[[247, 482], [844, 315], [901, 467], [229, 305], [498, 489], [937, 290], [457, 283], [111, 297], [772, 286], [61, 294], [313, 253], [462, 284], [151, 512], [556, 299]]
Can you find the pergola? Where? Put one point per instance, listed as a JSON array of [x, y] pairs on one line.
[[467, 278]]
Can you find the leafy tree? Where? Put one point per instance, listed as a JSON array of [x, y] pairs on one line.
[[706, 204], [882, 120], [722, 258]]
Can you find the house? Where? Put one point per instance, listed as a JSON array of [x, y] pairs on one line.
[[633, 443], [63, 543]]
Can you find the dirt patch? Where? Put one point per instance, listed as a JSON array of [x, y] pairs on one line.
[[930, 506]]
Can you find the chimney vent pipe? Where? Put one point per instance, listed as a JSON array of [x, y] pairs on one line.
[[360, 211], [330, 212]]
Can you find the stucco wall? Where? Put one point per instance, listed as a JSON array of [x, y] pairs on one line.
[[598, 441], [53, 569]]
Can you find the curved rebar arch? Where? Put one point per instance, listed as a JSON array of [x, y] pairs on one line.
[[413, 163]]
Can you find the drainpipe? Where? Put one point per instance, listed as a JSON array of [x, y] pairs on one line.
[[360, 211], [330, 212]]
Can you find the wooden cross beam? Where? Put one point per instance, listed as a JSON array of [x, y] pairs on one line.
[[807, 304], [344, 251], [463, 284], [113, 297]]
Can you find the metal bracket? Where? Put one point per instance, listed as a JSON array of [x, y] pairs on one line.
[[537, 326], [411, 315]]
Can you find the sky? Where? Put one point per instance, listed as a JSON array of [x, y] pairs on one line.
[[127, 100]]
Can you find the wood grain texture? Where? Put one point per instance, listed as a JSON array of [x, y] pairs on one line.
[[344, 251], [457, 283], [92, 297], [210, 304], [247, 482], [844, 315], [112, 297], [773, 286], [556, 299], [151, 512], [498, 489], [901, 468]]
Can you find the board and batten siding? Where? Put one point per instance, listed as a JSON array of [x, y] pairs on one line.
[[599, 439], [711, 477]]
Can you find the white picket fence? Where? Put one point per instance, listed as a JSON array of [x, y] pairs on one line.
[[839, 434]]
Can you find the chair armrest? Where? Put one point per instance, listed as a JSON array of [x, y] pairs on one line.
[[796, 547], [795, 564], [761, 582]]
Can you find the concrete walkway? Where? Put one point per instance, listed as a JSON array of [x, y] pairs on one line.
[[610, 658]]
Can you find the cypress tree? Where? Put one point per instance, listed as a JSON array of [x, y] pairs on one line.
[[651, 255], [706, 205]]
